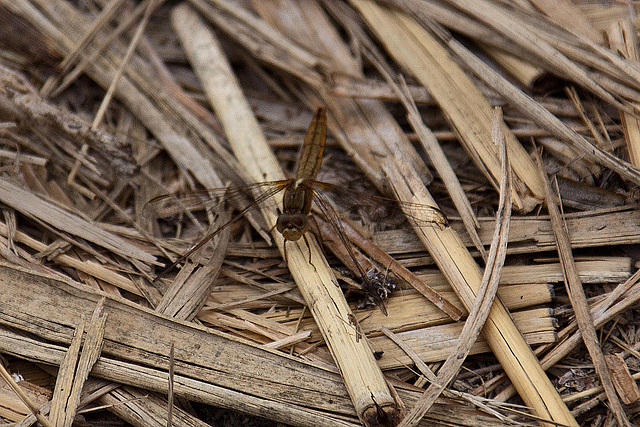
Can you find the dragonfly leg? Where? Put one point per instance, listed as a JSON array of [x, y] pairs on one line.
[[306, 240], [317, 232], [284, 247]]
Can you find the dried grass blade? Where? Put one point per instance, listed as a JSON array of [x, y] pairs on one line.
[[73, 372], [540, 115], [57, 84], [429, 143], [415, 357], [290, 340], [572, 94], [21, 101], [98, 24], [462, 102], [140, 408], [523, 71], [568, 15], [444, 169], [184, 300], [34, 207], [624, 39], [510, 26], [436, 343], [200, 353], [579, 301], [90, 353], [354, 357], [123, 64], [170, 392], [479, 313]]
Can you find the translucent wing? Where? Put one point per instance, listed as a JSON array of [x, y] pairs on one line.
[[194, 200], [382, 209], [236, 196], [331, 216]]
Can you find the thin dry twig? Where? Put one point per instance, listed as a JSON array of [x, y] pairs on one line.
[[363, 377], [74, 371], [479, 313], [506, 341], [289, 54], [579, 302]]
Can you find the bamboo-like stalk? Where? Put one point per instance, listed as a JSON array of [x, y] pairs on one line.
[[352, 354], [487, 292], [579, 302], [454, 260], [446, 172], [624, 295], [74, 371], [624, 39], [464, 105], [567, 14]]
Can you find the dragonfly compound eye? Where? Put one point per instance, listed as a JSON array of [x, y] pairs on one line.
[[292, 227]]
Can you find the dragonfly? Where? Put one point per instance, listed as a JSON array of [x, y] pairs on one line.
[[301, 193]]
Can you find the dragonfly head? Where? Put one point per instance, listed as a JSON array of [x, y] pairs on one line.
[[292, 227]]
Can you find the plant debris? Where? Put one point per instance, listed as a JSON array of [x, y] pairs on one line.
[[211, 102]]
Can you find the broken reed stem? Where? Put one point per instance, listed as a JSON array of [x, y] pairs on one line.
[[125, 60], [505, 340], [354, 357], [579, 300], [170, 393], [488, 290], [623, 38], [184, 300], [23, 397], [462, 102], [76, 366]]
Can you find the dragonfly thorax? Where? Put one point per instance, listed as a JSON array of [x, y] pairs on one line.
[[296, 205]]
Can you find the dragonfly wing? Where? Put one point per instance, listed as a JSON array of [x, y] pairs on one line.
[[331, 216], [237, 196], [382, 209], [268, 193]]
